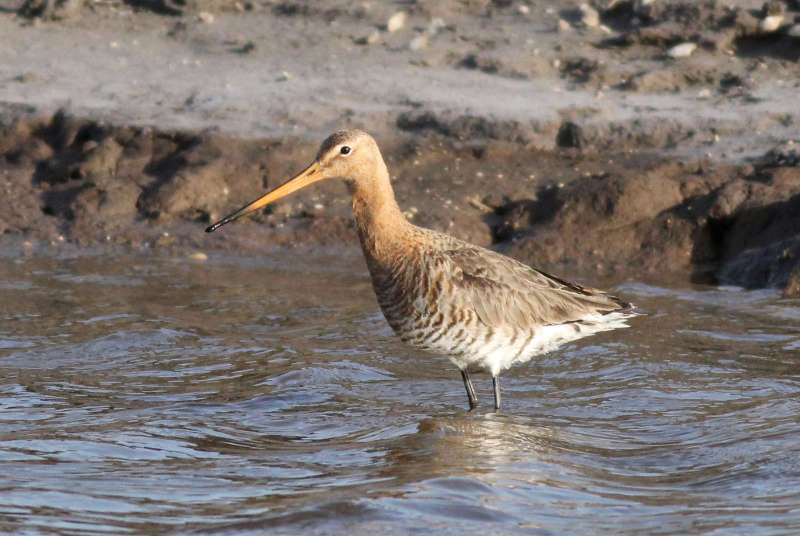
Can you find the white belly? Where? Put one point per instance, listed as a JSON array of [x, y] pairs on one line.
[[504, 350]]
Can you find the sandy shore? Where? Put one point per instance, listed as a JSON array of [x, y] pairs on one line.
[[573, 143]]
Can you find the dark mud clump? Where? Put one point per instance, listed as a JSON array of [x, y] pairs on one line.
[[712, 222]]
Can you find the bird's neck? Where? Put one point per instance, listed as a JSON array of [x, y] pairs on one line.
[[382, 228]]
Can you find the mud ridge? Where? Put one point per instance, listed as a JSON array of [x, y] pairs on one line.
[[648, 216]]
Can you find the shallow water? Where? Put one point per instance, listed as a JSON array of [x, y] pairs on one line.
[[142, 394]]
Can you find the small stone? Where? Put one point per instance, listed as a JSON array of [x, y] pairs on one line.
[[418, 43], [563, 26], [25, 78], [643, 7], [480, 205], [370, 39], [773, 7], [436, 25], [396, 22], [113, 44], [246, 48], [704, 93], [589, 16], [522, 9], [770, 23], [684, 50], [205, 17], [794, 31], [283, 77], [198, 256]]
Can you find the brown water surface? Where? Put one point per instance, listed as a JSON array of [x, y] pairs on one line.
[[145, 394]]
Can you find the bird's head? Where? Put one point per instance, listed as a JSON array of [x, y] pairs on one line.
[[351, 155]]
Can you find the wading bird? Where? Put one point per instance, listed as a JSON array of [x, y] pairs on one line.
[[483, 310]]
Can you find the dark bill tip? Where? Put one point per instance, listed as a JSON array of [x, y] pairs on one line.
[[220, 223]]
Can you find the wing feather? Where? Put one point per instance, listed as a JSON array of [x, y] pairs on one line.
[[505, 292]]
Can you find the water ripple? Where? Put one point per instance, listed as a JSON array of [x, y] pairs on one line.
[[243, 396]]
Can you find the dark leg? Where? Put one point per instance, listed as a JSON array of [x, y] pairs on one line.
[[473, 400], [496, 385]]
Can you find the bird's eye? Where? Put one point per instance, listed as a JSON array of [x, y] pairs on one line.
[[345, 150]]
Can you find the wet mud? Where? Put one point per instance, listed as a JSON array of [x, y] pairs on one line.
[[643, 214]]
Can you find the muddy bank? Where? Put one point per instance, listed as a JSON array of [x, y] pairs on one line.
[[652, 139], [643, 215]]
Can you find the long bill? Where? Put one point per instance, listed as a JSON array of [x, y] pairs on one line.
[[310, 175]]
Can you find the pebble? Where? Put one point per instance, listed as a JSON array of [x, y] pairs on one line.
[[246, 48], [418, 43], [684, 50], [284, 76], [770, 23], [522, 9], [205, 17], [371, 39], [25, 78], [794, 31], [589, 16], [436, 25], [704, 93], [198, 256], [480, 205], [396, 22], [563, 26]]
